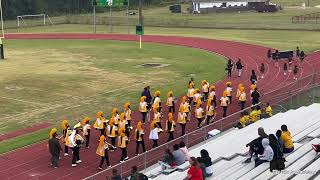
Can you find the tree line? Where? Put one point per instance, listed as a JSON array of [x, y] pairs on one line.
[[14, 8]]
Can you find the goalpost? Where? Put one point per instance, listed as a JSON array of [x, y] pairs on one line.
[[2, 27], [22, 20]]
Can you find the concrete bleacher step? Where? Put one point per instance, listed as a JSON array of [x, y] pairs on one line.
[[263, 167], [315, 134], [310, 126], [291, 158], [309, 171], [297, 165], [233, 169]]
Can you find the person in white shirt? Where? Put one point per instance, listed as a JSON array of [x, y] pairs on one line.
[[86, 130], [154, 134]]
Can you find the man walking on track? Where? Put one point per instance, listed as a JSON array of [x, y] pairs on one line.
[[239, 67], [54, 148]]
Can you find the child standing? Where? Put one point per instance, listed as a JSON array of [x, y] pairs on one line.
[[210, 112], [212, 95], [205, 89], [102, 151], [127, 112], [170, 102], [112, 133], [154, 134], [182, 116], [224, 101], [86, 130], [242, 98], [65, 135], [100, 123]]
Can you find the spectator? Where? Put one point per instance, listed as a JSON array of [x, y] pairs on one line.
[[298, 52], [244, 120], [206, 163], [269, 54], [255, 95], [285, 69], [54, 148], [267, 155], [178, 155], [184, 150], [147, 94], [194, 172], [258, 109], [287, 140], [278, 160], [278, 134], [262, 69], [229, 67], [253, 77], [253, 115], [115, 175], [239, 67], [256, 145], [302, 56], [167, 160], [135, 175], [269, 110]]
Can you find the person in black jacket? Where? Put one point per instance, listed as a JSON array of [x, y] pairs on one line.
[[253, 77], [277, 162], [229, 67], [255, 96], [302, 56], [256, 145], [54, 148], [147, 94], [239, 67], [205, 162]]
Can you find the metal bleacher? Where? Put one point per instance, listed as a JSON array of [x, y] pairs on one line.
[[228, 150]]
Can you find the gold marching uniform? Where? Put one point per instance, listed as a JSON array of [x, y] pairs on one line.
[[244, 120], [253, 116], [127, 112], [143, 104], [122, 144], [170, 126], [238, 91], [157, 100], [138, 135], [115, 116], [269, 110], [99, 122]]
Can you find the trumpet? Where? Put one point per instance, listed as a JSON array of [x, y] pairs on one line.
[[108, 145]]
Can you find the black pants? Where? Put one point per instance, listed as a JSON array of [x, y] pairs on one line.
[[183, 129], [155, 143], [214, 101], [199, 122], [255, 101], [170, 138], [171, 109], [205, 98], [113, 141], [76, 154], [66, 149], [229, 72], [191, 101], [230, 99], [55, 160], [105, 157], [224, 111], [102, 132], [242, 104], [259, 162], [138, 144], [129, 123], [123, 154], [159, 125], [144, 116], [88, 138], [209, 119], [128, 130]]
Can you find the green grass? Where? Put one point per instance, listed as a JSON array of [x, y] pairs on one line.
[[50, 80], [22, 141]]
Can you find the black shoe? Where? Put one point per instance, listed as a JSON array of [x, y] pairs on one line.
[[248, 160]]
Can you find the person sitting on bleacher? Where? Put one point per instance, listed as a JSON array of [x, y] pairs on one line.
[[205, 163], [278, 134], [287, 140], [244, 120], [267, 155], [253, 115], [268, 110], [258, 110], [256, 145], [194, 172], [184, 150], [277, 162], [168, 160], [178, 155]]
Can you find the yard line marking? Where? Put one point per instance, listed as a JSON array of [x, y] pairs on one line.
[[30, 102]]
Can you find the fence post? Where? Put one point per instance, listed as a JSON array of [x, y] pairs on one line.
[[313, 87]]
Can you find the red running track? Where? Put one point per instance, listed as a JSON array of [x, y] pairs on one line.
[[33, 162]]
